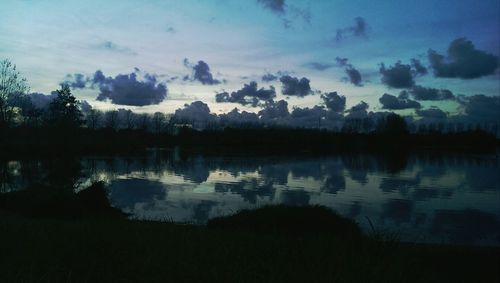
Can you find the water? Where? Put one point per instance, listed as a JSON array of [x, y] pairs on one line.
[[446, 198]]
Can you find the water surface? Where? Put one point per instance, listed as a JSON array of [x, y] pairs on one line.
[[445, 198]]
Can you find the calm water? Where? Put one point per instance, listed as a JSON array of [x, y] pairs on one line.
[[423, 198]]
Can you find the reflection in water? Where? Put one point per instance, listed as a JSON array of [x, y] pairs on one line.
[[425, 197]]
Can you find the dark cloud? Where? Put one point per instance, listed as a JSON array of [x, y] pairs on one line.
[[197, 113], [40, 100], [316, 112], [249, 94], [358, 111], [237, 117], [294, 86], [269, 77], [334, 102], [315, 117], [319, 66], [423, 93], [431, 113], [287, 13], [392, 102], [481, 107], [126, 89], [276, 6], [274, 110], [76, 81], [420, 69], [111, 46], [397, 76], [358, 29], [361, 106], [341, 62], [354, 76], [201, 73], [463, 61]]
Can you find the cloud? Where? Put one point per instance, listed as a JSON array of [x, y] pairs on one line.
[[197, 112], [334, 102], [397, 103], [269, 77], [463, 61], [249, 94], [126, 89], [76, 81], [287, 13], [201, 73], [420, 69], [309, 117], [276, 6], [359, 29], [354, 76], [397, 76], [111, 46], [40, 100], [170, 29], [361, 106], [431, 113], [481, 107], [341, 62], [319, 66], [294, 86], [358, 111], [237, 117], [423, 93], [274, 110]]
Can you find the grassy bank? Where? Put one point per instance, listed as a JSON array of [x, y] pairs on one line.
[[242, 248]]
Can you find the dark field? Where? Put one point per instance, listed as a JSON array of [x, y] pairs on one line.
[[242, 248]]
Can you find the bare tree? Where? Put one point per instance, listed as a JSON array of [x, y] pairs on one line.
[[12, 88], [158, 121], [112, 119], [129, 119], [93, 118], [143, 122]]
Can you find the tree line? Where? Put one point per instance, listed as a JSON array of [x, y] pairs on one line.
[[66, 113]]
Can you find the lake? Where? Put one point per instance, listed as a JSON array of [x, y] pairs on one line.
[[425, 197]]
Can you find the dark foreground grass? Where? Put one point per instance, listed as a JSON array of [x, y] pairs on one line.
[[243, 248]]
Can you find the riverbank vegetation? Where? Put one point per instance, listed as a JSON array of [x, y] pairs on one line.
[[57, 236]]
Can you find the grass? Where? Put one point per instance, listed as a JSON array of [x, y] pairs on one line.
[[247, 247]]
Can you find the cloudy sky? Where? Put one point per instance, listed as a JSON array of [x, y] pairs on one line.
[[159, 55]]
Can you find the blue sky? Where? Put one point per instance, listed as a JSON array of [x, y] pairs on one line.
[[243, 40]]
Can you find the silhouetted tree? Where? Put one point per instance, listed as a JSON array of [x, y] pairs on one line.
[[129, 119], [393, 124], [63, 111], [143, 122], [111, 119], [12, 88], [93, 118], [158, 121]]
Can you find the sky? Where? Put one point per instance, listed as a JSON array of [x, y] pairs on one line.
[[159, 55]]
